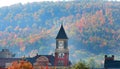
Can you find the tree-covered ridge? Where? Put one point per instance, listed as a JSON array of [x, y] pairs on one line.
[[92, 27]]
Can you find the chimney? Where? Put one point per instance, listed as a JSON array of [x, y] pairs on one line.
[[112, 57], [105, 56]]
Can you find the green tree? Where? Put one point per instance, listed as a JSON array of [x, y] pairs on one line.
[[92, 63], [80, 65]]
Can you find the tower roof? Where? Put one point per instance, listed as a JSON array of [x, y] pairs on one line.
[[61, 34]]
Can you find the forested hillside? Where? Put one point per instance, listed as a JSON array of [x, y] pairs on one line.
[[93, 28]]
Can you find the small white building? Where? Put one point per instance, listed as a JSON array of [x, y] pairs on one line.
[[5, 53]]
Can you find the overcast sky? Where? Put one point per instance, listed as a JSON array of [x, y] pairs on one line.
[[10, 2]]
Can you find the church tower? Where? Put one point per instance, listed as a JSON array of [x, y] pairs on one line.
[[61, 51]]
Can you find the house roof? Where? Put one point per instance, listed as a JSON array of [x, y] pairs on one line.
[[61, 34]]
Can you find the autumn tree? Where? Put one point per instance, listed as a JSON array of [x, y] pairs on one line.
[[21, 65]]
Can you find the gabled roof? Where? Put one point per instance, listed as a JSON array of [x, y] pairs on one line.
[[61, 34]]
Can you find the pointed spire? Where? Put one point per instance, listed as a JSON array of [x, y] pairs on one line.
[[61, 34]]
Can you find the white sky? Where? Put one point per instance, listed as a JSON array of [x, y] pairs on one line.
[[11, 2]]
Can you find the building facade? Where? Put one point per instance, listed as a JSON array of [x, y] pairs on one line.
[[110, 63]]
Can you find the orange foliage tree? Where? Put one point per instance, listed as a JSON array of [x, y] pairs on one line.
[[21, 65]]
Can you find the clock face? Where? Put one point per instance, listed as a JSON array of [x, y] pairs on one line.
[[61, 44]]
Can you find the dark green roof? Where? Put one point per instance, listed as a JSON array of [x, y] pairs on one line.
[[61, 34]]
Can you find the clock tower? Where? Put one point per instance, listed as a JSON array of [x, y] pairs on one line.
[[61, 51]]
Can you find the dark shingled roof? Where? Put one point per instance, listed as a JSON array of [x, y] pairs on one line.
[[61, 34], [112, 64]]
